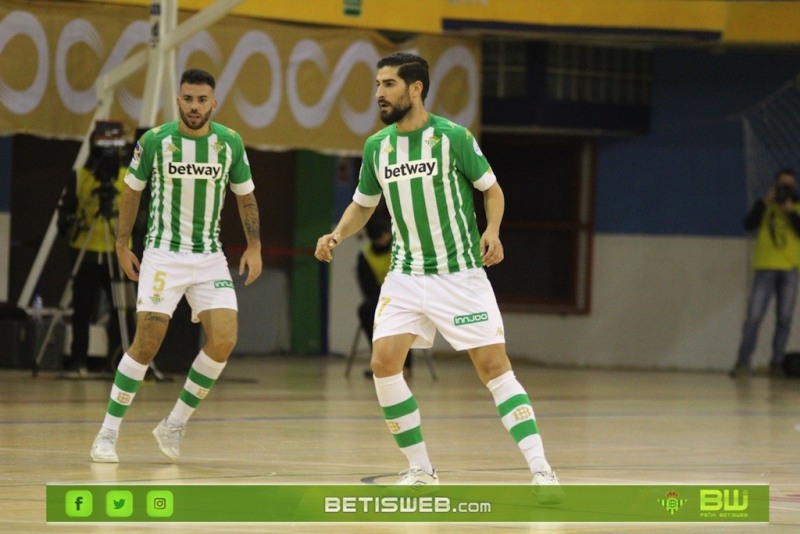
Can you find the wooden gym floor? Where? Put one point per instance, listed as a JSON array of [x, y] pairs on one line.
[[272, 420]]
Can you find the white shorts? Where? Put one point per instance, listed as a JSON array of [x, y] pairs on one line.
[[461, 305], [165, 277]]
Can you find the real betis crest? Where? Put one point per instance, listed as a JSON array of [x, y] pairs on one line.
[[672, 502], [431, 141]]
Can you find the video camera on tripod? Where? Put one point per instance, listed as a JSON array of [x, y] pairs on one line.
[[106, 157], [104, 162], [87, 212]]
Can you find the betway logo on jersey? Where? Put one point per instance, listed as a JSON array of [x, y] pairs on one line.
[[470, 318], [194, 171], [411, 169]]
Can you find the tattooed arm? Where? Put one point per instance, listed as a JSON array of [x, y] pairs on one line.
[[248, 212]]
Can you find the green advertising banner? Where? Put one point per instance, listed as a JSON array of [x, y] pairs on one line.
[[147, 503]]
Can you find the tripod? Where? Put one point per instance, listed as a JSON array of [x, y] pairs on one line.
[[118, 288], [119, 291]]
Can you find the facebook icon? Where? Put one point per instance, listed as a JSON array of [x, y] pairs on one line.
[[78, 503]]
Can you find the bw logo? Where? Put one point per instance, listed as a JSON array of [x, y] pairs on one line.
[[394, 427], [201, 393], [522, 413], [124, 398]]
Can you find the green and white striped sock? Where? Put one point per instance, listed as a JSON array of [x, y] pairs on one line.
[[202, 375], [127, 380], [517, 415], [403, 419]]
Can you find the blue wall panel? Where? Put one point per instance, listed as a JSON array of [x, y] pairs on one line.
[[687, 177]]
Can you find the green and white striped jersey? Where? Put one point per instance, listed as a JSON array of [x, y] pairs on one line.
[[427, 177], [188, 177]]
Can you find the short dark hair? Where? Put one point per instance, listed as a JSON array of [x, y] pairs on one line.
[[198, 77], [412, 68], [785, 170]]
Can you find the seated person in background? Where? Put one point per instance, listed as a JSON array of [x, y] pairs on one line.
[[374, 261]]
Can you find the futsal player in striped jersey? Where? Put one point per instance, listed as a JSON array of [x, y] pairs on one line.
[[188, 164], [426, 168]]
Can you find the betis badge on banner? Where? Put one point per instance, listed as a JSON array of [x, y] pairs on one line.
[[672, 502]]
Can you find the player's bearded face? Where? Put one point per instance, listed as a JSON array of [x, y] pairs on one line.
[[391, 112], [195, 104], [194, 120]]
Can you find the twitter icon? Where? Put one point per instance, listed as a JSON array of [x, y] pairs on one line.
[[119, 503]]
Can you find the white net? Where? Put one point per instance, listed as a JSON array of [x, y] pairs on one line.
[[772, 137]]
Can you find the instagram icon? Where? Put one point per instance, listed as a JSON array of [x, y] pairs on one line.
[[159, 503]]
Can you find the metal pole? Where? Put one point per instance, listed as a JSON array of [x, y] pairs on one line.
[[105, 95]]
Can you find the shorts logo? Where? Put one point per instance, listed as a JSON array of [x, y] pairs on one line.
[[479, 317], [412, 169], [156, 299], [223, 283]]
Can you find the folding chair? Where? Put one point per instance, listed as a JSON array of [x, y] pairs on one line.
[[427, 353]]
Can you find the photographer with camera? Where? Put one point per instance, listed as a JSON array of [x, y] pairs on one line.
[[87, 216], [776, 259]]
